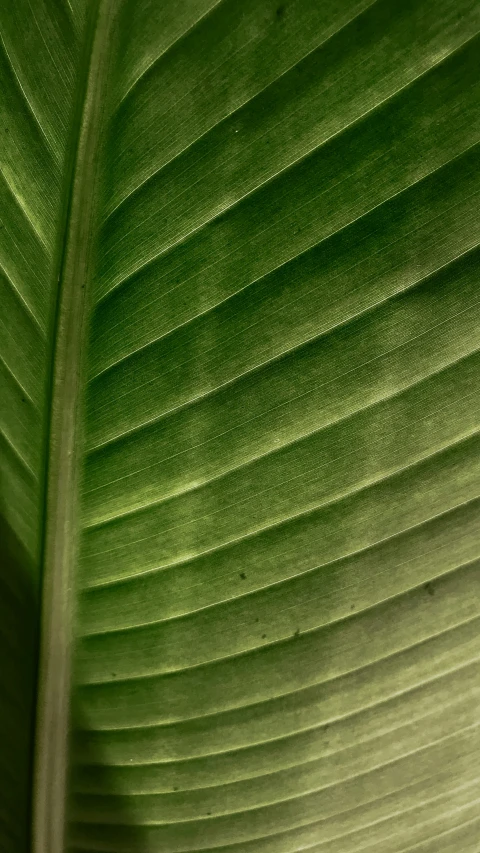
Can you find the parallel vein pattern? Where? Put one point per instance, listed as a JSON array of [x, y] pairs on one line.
[[262, 219], [39, 64], [278, 584]]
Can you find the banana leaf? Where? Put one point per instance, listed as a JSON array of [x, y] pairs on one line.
[[239, 410]]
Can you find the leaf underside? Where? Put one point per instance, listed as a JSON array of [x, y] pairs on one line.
[[239, 397]]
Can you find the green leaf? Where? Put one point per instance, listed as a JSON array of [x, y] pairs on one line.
[[239, 448]]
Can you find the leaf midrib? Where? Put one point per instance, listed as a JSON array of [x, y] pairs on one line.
[[73, 271]]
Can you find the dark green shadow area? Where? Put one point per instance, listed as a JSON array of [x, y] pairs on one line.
[[19, 604], [19, 645], [98, 815]]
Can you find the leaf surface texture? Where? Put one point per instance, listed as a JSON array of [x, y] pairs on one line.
[[239, 448]]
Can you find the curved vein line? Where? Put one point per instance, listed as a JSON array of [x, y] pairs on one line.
[[463, 439], [64, 71], [31, 266], [327, 723], [441, 834], [464, 436], [186, 616], [292, 578], [424, 823], [233, 847], [288, 694], [226, 160], [258, 368], [175, 723], [31, 110], [322, 789], [255, 650], [71, 14], [327, 754], [300, 766], [166, 621], [155, 504], [349, 555], [19, 385], [155, 420], [21, 299], [295, 301], [27, 216], [31, 374], [119, 285], [180, 124], [291, 260], [282, 740], [444, 367], [237, 109], [291, 166], [18, 456], [299, 439], [158, 58], [316, 846]]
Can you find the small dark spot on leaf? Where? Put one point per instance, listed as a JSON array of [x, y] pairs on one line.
[[264, 636], [209, 813], [23, 399], [243, 576], [297, 633], [429, 588], [257, 619], [175, 788], [114, 674], [352, 607], [280, 11]]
